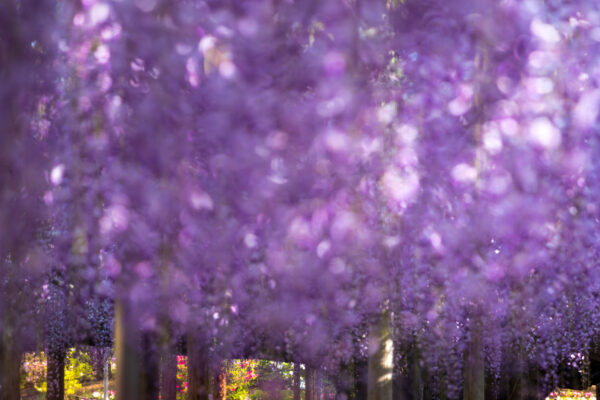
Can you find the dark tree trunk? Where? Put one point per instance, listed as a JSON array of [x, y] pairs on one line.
[[150, 367], [344, 382], [504, 384], [168, 346], [361, 378], [168, 376], [416, 373], [515, 380], [55, 374], [10, 366], [56, 339], [319, 384], [137, 357], [296, 381], [518, 380], [198, 370], [491, 388], [410, 385], [97, 358], [403, 386], [309, 390], [474, 369], [428, 392], [532, 384]]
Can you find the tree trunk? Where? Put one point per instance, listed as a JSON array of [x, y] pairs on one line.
[[428, 393], [315, 379], [106, 373], [129, 370], [150, 367], [410, 385], [361, 379], [198, 370], [344, 382], [319, 384], [309, 389], [137, 360], [168, 360], [96, 356], [168, 376], [296, 381], [417, 375], [221, 386], [56, 339], [532, 384], [381, 361], [10, 367], [505, 384], [515, 380], [55, 374], [474, 369], [491, 389]]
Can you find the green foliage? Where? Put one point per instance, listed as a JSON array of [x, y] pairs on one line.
[[270, 370], [33, 371], [78, 369], [257, 394], [241, 377]]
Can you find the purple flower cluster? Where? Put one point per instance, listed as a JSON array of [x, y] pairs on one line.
[[274, 175]]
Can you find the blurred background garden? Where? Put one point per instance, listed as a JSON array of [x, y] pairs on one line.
[[239, 379]]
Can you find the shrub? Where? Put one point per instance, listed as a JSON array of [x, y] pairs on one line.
[[78, 369]]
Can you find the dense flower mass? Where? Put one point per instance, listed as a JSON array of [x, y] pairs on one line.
[[281, 179]]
